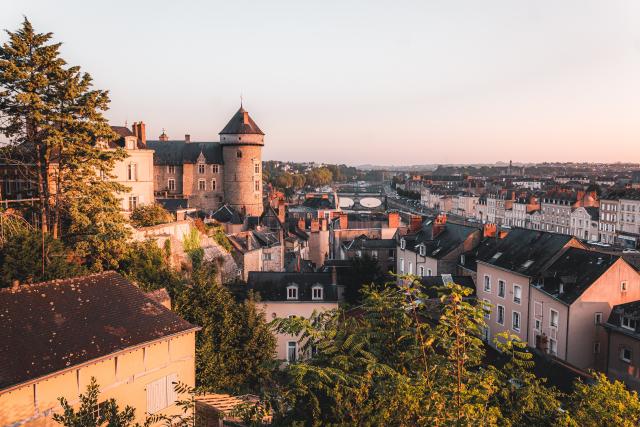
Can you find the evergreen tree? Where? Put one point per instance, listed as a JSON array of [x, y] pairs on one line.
[[54, 120], [146, 265]]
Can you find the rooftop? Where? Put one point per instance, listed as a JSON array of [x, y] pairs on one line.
[[52, 326]]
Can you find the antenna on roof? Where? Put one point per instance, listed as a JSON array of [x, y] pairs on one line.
[[240, 99], [126, 123]]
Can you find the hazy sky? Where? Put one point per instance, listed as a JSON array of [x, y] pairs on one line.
[[395, 82]]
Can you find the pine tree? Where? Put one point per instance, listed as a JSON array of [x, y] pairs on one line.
[[54, 119]]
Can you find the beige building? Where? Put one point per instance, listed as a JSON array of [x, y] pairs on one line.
[[55, 336], [136, 171], [284, 295]]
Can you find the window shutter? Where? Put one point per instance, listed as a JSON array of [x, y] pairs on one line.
[[172, 396]]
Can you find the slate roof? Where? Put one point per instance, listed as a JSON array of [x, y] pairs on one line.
[[179, 152], [522, 251], [593, 212], [53, 326], [576, 270], [173, 205], [630, 309], [363, 242], [237, 125], [272, 286], [122, 131], [227, 214], [443, 243]]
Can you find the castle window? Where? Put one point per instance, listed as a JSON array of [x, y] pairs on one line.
[[201, 168], [239, 154], [257, 168], [214, 168], [171, 169], [172, 184], [202, 185], [213, 185], [257, 185]]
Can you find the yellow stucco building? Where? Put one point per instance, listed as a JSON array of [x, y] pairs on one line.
[[55, 336]]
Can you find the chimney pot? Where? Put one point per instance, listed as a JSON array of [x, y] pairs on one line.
[[187, 138]]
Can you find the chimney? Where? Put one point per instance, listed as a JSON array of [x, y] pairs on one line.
[[323, 224], [142, 135], [315, 225], [248, 241], [415, 222], [393, 220], [344, 221], [561, 288], [187, 138], [439, 224], [334, 276], [301, 224], [490, 230], [134, 129], [245, 118], [163, 136]]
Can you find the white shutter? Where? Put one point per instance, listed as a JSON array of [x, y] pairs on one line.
[[172, 396], [157, 395]]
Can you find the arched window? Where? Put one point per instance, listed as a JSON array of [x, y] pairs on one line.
[[239, 154]]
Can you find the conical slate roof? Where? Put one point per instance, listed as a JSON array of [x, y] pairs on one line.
[[241, 123]]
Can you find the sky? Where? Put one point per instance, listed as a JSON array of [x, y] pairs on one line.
[[367, 82]]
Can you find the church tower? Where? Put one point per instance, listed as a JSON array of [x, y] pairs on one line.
[[242, 141]]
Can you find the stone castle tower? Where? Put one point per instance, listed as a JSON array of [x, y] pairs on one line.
[[242, 142]]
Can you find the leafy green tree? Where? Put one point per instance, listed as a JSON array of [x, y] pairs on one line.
[[148, 266], [603, 403], [149, 215], [235, 348], [108, 414], [21, 259], [524, 398]]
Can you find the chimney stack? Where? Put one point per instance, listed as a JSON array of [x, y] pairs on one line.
[[142, 135], [415, 222], [490, 230], [393, 220], [334, 276], [187, 138], [438, 225], [344, 221], [249, 241], [281, 210]]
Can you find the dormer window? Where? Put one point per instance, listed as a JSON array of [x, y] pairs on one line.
[[201, 168], [317, 293], [403, 244], [292, 292], [628, 323], [423, 250]]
